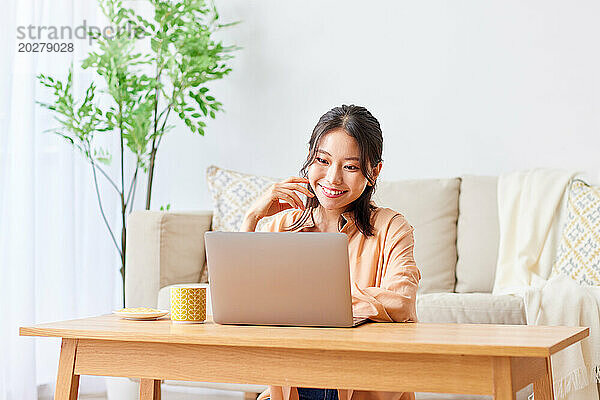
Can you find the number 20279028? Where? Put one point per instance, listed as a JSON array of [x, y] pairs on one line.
[[45, 47]]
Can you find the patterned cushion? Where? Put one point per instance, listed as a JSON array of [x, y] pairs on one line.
[[233, 193], [578, 254]]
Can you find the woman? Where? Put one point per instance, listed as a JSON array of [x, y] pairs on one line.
[[340, 172]]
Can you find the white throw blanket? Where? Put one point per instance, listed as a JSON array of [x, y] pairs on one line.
[[561, 301], [531, 213]]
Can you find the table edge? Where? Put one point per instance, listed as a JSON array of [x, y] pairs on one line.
[[412, 348]]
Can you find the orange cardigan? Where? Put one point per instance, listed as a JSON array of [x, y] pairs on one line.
[[384, 280]]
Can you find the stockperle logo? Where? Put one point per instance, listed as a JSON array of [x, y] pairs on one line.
[[68, 33]]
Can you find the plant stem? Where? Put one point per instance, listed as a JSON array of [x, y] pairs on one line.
[[131, 187], [108, 178], [134, 190], [154, 126], [155, 145], [123, 209], [162, 128], [102, 209], [150, 175]]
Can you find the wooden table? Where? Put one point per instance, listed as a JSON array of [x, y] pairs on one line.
[[445, 358]]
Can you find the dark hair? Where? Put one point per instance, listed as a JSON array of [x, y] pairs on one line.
[[359, 123]]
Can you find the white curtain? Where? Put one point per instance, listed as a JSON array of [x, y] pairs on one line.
[[56, 259]]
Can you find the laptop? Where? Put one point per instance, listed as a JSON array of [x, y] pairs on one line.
[[280, 278]]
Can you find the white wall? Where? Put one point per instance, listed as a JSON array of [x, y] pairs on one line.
[[459, 87]]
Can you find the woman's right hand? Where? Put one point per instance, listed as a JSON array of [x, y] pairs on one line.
[[278, 197]]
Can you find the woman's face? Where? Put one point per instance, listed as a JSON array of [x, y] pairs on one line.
[[335, 173]]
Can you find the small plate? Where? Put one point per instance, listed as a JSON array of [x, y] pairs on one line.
[[141, 316]]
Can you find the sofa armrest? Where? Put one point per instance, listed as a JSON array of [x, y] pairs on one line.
[[163, 248]]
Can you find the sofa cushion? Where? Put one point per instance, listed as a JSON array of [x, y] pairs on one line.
[[578, 255], [471, 308], [478, 234], [162, 248], [233, 193], [209, 392], [431, 207], [522, 394]]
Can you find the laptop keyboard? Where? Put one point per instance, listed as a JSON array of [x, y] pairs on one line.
[[358, 320]]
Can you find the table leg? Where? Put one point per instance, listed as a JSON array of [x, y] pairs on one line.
[[67, 383], [543, 387], [502, 377], [149, 389]]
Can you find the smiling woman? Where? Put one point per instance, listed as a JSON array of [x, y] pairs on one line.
[[338, 178], [344, 149]]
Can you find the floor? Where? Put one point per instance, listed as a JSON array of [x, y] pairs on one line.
[[185, 393], [164, 396], [170, 395], [167, 393], [183, 396]]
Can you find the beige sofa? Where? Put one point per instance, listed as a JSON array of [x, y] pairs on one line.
[[456, 246]]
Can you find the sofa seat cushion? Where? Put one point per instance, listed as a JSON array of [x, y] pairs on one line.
[[460, 308], [471, 308], [219, 386], [522, 394]]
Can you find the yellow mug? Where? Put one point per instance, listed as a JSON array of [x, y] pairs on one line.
[[188, 304]]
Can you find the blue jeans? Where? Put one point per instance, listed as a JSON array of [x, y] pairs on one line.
[[317, 394]]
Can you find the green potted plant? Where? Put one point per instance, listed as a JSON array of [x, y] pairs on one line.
[[141, 92]]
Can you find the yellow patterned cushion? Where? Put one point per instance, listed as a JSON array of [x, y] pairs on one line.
[[233, 193], [578, 255]]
